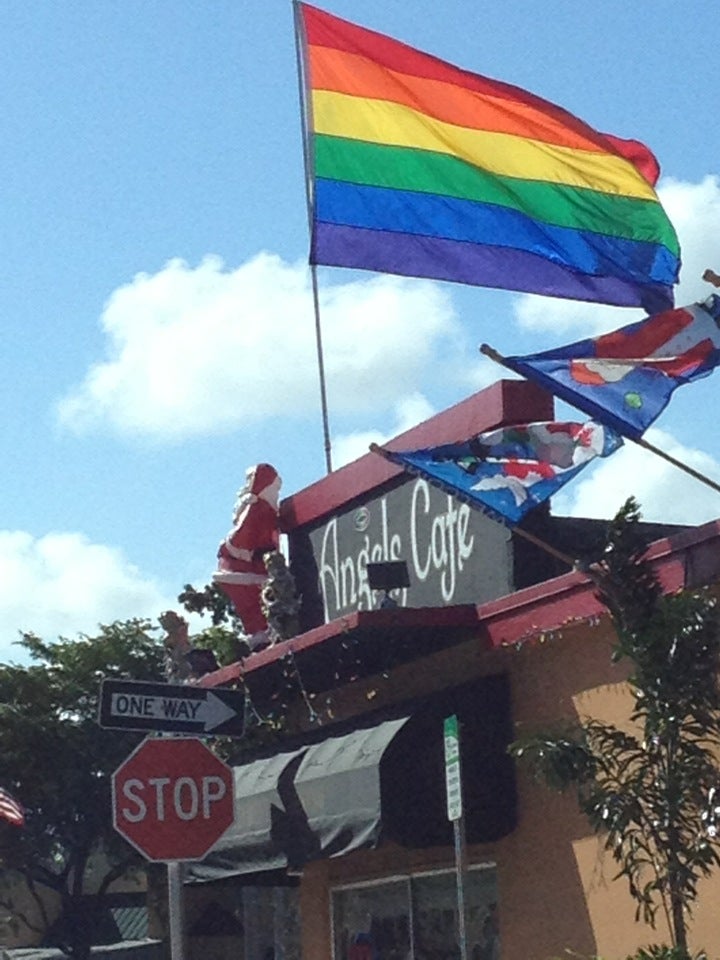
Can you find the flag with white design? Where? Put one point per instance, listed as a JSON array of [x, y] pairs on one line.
[[626, 378], [509, 471]]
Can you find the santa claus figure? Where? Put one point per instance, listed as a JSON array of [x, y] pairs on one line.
[[241, 571]]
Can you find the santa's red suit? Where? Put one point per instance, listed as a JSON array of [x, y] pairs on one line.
[[241, 571]]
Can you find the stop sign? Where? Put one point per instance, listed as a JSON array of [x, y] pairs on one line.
[[172, 798]]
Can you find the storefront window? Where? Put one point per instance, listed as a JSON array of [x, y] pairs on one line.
[[271, 922], [372, 922], [415, 918]]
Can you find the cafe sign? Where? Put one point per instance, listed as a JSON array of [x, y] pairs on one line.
[[454, 553]]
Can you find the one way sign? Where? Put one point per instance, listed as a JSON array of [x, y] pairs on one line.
[[174, 708]]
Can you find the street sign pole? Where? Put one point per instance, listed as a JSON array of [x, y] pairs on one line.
[[176, 904], [453, 783], [176, 911]]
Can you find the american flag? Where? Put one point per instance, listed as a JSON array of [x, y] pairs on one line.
[[10, 809]]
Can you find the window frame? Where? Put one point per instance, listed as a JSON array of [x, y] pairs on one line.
[[407, 878]]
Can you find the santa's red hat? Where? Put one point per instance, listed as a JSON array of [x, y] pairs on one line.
[[260, 477]]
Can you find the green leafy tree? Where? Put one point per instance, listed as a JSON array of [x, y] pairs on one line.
[[212, 601], [649, 790], [225, 636], [58, 761]]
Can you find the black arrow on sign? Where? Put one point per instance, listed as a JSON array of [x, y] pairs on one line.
[[171, 708]]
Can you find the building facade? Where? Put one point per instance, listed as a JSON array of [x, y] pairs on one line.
[[342, 833]]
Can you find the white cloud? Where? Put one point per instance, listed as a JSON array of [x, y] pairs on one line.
[[570, 319], [209, 349], [61, 584], [666, 493], [192, 350], [408, 413], [694, 209]]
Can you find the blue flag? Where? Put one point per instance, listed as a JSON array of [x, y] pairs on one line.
[[509, 471], [626, 378]]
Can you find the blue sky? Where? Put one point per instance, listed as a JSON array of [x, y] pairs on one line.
[[158, 328]]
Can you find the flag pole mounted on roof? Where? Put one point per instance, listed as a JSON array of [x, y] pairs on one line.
[[420, 168], [626, 378], [306, 121]]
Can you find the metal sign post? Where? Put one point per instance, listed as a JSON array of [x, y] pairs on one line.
[[453, 782], [176, 911]]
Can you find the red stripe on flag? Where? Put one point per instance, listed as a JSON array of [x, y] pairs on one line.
[[10, 809]]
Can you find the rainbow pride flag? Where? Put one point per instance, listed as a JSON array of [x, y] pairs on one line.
[[420, 168]]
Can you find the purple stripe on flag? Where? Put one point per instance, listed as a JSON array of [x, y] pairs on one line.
[[477, 264]]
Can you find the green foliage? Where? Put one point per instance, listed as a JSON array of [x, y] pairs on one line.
[[560, 758], [212, 600], [664, 952], [58, 761], [224, 642], [225, 637], [653, 952], [649, 791]]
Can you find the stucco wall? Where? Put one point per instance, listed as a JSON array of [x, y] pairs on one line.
[[556, 886]]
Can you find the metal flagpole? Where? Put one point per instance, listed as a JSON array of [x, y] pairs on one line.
[[306, 123], [640, 441], [574, 564], [321, 370]]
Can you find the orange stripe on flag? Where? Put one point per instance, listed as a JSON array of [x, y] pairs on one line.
[[349, 73]]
